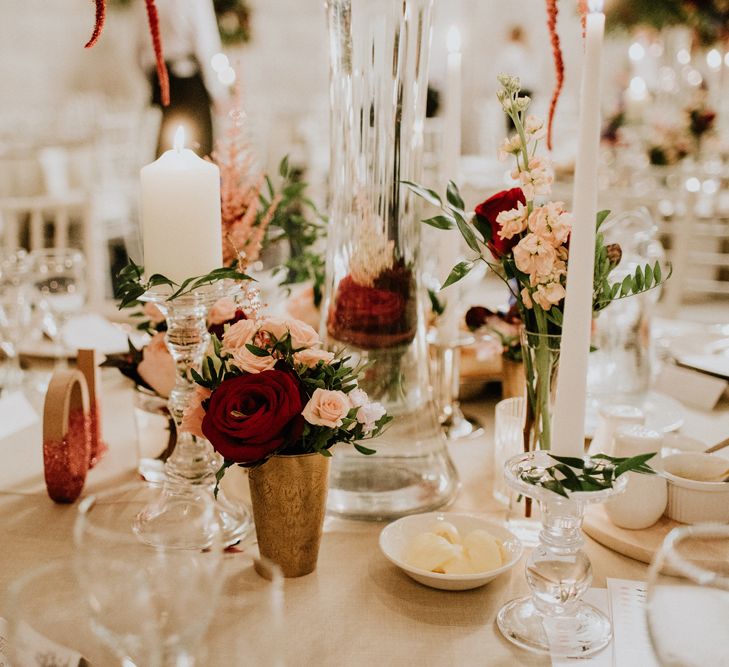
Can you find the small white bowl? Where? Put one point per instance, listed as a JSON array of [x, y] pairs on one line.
[[395, 538], [692, 501]]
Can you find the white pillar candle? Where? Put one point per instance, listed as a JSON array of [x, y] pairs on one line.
[[450, 250], [181, 229], [568, 435]]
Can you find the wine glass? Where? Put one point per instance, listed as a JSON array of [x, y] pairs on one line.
[[15, 313], [48, 623], [59, 281], [115, 566], [687, 604]]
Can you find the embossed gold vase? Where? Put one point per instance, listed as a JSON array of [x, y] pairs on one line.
[[289, 495]]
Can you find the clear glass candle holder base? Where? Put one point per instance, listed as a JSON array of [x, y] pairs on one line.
[[554, 619], [586, 632]]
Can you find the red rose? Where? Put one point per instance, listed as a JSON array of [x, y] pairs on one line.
[[488, 211], [250, 416]]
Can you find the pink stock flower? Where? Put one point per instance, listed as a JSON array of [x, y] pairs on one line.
[[157, 367], [536, 179], [551, 223], [549, 294], [194, 412], [534, 256], [526, 299], [512, 222]]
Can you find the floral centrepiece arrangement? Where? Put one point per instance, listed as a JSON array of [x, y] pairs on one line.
[[269, 388], [524, 238], [374, 305]]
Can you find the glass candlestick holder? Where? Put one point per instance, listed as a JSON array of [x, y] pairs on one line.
[[554, 619], [445, 377], [193, 462]]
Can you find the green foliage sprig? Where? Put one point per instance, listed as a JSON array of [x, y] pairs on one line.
[[132, 284], [596, 473], [299, 223]]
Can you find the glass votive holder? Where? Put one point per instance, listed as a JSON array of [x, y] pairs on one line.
[[155, 434], [508, 441]]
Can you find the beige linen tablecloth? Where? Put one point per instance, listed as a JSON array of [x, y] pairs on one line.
[[356, 608]]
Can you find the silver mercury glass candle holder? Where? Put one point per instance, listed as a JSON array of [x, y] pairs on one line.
[[554, 619], [194, 462]]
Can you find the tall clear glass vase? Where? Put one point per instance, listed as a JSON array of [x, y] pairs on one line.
[[373, 302]]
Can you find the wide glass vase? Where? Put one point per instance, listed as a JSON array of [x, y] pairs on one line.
[[373, 304]]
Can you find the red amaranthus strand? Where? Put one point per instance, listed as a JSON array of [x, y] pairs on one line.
[[552, 11], [162, 76], [99, 25]]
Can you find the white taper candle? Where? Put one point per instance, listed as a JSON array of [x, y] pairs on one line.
[[568, 433]]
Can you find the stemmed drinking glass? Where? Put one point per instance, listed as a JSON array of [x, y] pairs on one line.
[[59, 282], [687, 605], [121, 573], [15, 313]]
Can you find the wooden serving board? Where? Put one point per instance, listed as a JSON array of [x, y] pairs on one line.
[[638, 544]]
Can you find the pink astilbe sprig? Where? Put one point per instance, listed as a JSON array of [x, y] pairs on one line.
[[552, 11], [243, 229], [98, 25]]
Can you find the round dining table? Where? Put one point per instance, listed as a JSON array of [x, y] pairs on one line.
[[356, 608]]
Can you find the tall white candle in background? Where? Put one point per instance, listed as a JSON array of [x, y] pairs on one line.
[[181, 230], [568, 431], [450, 250]]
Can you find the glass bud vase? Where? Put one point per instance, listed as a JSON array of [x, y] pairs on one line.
[[373, 303], [540, 353]]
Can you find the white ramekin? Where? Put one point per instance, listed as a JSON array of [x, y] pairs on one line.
[[691, 501]]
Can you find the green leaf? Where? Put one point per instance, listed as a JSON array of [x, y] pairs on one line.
[[435, 303], [440, 222], [632, 463], [467, 233], [257, 351], [600, 218], [459, 271], [364, 450], [571, 461], [283, 168], [638, 279], [454, 197], [657, 272], [648, 271], [626, 286], [430, 196]]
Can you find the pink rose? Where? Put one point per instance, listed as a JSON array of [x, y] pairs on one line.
[[239, 335], [327, 408], [276, 326], [194, 412], [157, 367], [245, 360], [222, 311], [310, 357], [358, 397], [154, 314]]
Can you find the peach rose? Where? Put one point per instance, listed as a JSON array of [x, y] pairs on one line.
[[327, 408], [310, 357], [302, 335], [223, 310], [248, 362], [154, 314], [239, 335], [194, 412], [157, 367]]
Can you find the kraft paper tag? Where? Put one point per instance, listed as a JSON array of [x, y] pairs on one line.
[[16, 414], [692, 388]]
